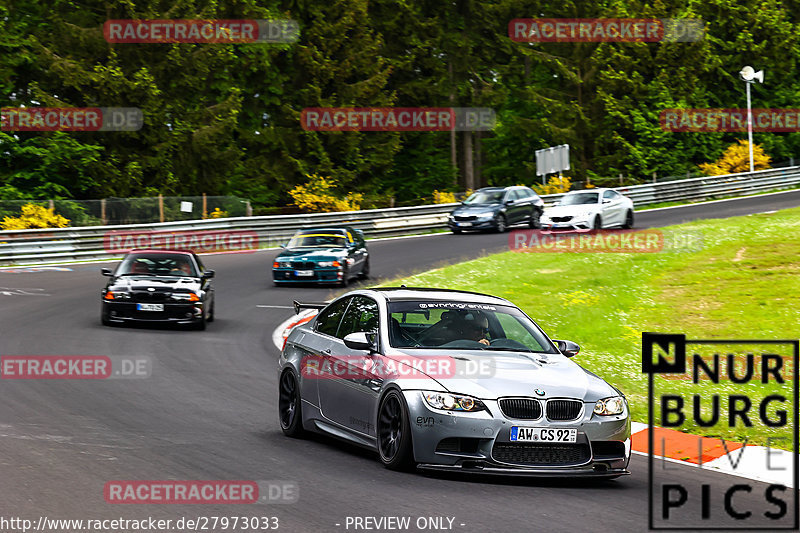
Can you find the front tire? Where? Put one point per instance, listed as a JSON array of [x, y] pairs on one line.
[[455, 231], [535, 221], [364, 274], [598, 223], [628, 220], [394, 433], [345, 278], [290, 410], [500, 223]]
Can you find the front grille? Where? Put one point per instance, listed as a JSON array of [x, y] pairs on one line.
[[465, 218], [541, 454], [564, 409], [303, 265], [521, 408], [560, 219], [149, 297]]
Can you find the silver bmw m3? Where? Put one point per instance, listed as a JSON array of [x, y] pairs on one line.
[[450, 380]]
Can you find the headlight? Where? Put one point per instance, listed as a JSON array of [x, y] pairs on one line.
[[325, 264], [485, 216], [452, 402], [185, 296], [281, 264], [450, 217], [610, 406], [115, 295]]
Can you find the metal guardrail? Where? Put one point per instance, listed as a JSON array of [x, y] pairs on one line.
[[74, 244]]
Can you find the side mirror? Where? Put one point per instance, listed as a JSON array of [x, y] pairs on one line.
[[208, 274], [606, 200], [282, 245], [509, 201], [360, 341], [106, 272], [568, 348]]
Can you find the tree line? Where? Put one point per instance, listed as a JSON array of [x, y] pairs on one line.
[[224, 119]]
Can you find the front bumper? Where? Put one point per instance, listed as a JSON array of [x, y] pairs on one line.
[[572, 225], [480, 443], [177, 313], [318, 275], [471, 224]]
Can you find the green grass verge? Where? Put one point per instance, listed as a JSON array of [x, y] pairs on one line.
[[743, 283]]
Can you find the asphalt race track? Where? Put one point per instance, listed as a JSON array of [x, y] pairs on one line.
[[208, 411]]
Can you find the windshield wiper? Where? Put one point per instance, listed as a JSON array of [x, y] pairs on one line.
[[135, 274], [499, 349]]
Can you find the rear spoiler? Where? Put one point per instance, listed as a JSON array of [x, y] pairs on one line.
[[308, 305]]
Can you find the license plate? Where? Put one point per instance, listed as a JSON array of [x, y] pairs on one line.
[[523, 434], [149, 307], [303, 273], [465, 224]]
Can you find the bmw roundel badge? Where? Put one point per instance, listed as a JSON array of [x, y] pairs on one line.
[[539, 392]]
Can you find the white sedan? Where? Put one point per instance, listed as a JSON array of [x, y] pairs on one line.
[[589, 209]]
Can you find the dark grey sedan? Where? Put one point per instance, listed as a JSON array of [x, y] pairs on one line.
[[497, 208]]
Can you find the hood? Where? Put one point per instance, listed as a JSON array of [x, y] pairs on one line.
[[475, 209], [311, 254], [517, 374], [165, 283], [569, 210]]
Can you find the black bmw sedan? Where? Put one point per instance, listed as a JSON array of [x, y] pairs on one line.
[[171, 286]]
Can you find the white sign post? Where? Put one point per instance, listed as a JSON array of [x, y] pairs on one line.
[[552, 160]]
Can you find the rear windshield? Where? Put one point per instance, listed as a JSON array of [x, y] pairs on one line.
[[461, 325]]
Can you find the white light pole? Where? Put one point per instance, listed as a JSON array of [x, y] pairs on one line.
[[749, 75]]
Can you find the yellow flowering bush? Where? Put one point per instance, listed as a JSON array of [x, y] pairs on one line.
[[556, 185], [319, 195], [736, 158], [34, 216], [218, 213], [443, 197]]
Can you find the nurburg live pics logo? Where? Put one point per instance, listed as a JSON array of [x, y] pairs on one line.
[[724, 390]]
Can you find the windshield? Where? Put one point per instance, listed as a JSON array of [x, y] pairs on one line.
[[485, 197], [460, 325], [317, 240], [157, 265], [579, 198]]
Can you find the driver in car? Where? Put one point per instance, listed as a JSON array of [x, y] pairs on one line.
[[475, 327]]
